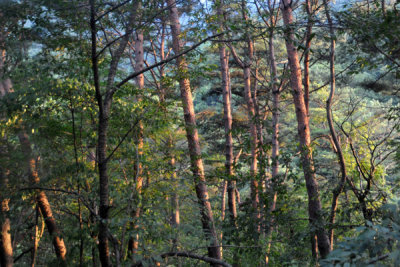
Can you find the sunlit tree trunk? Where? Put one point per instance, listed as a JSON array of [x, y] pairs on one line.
[[214, 250], [41, 198], [314, 202], [6, 250], [34, 179]]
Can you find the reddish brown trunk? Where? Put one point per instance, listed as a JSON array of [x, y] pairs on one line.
[[42, 200], [45, 209], [207, 219], [226, 95], [6, 250], [314, 203]]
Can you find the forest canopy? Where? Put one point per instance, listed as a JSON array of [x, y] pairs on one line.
[[199, 132]]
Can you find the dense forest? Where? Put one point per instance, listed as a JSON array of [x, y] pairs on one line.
[[199, 132]]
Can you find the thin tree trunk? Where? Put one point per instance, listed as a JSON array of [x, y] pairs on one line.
[[339, 188], [104, 251], [314, 203], [139, 59], [246, 66], [254, 147], [175, 211], [275, 138], [307, 55], [104, 104], [35, 237], [214, 250], [226, 95], [253, 129], [42, 200]]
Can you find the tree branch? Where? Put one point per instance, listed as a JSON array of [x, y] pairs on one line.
[[135, 74]]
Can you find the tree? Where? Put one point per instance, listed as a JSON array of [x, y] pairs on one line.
[[214, 250], [314, 203]]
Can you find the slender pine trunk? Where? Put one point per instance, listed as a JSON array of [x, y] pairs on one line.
[[214, 250], [314, 203], [226, 96]]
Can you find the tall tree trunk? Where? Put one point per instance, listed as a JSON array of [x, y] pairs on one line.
[[41, 198], [253, 143], [314, 203], [339, 188], [253, 125], [226, 95], [104, 251], [275, 137], [139, 59], [246, 66], [104, 105], [6, 251], [214, 250]]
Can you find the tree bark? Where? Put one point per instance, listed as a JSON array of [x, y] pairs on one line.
[[104, 105], [253, 129], [139, 59], [314, 203], [214, 250], [275, 136], [6, 250], [42, 200], [226, 96], [251, 111]]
